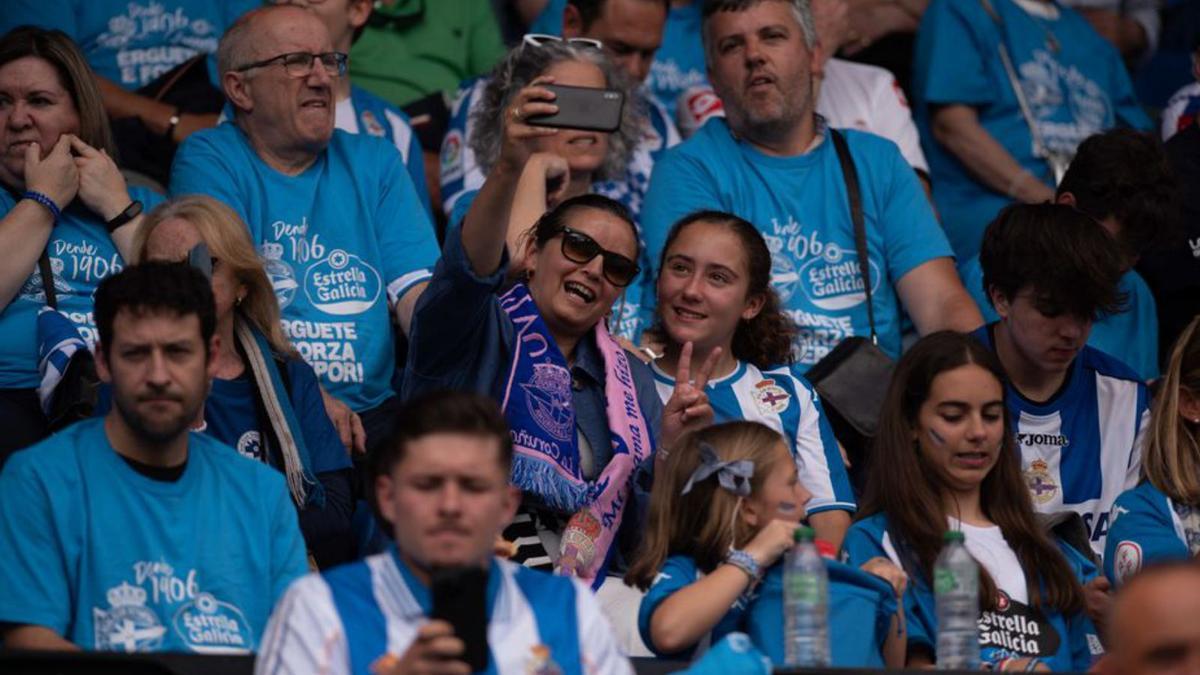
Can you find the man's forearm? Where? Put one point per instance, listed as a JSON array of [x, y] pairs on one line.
[[37, 638]]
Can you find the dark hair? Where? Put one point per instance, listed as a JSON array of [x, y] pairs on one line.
[[56, 48], [456, 412], [905, 488], [766, 340], [590, 10], [1124, 174], [1071, 262], [151, 288], [552, 222]]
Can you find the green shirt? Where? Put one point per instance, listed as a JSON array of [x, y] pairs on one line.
[[417, 47]]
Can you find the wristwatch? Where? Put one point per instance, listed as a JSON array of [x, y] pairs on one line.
[[132, 211]]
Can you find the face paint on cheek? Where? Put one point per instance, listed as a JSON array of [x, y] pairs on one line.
[[787, 507], [936, 438]]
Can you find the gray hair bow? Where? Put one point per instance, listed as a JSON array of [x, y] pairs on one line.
[[733, 476]]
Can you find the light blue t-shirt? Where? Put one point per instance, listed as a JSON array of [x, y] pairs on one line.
[[81, 255], [799, 204], [341, 242], [113, 560], [1131, 336], [132, 42], [1074, 81]]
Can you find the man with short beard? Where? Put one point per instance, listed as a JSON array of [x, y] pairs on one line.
[[128, 533]]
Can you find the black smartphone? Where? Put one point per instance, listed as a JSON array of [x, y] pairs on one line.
[[460, 599], [583, 108]]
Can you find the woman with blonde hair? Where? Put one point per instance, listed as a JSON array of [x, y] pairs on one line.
[[723, 510], [265, 400], [1159, 520]]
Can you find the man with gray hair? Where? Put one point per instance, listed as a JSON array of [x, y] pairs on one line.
[[345, 238], [769, 163]]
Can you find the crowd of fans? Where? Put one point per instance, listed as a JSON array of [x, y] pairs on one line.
[[292, 331]]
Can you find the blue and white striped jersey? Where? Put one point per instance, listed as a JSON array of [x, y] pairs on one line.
[[782, 399], [1083, 448], [342, 621]]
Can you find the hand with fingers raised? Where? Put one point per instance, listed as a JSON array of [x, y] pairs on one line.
[[688, 408], [519, 136]]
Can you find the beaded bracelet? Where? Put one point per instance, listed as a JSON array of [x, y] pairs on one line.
[[44, 201], [744, 562]]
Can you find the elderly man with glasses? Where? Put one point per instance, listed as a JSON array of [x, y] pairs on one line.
[[345, 238]]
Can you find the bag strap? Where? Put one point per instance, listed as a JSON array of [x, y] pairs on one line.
[[854, 196], [1039, 147], [48, 280]]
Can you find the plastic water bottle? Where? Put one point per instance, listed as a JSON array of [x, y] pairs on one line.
[[956, 589], [805, 603]]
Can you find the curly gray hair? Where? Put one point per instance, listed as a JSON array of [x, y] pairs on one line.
[[524, 64]]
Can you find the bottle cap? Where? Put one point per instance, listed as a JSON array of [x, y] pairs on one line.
[[803, 533], [953, 536]]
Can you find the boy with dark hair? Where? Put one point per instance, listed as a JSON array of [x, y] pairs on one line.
[[1079, 413], [442, 481], [1121, 179], [128, 533]]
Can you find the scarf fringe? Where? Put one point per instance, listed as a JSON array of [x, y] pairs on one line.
[[537, 477]]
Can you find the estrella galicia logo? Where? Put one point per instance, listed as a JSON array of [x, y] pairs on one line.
[[342, 284], [208, 625]]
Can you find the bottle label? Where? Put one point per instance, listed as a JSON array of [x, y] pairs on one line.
[[944, 581], [804, 588]]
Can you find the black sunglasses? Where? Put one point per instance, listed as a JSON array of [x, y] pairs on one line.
[[580, 248]]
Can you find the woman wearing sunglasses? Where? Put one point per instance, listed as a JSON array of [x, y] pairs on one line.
[[714, 291], [575, 161], [584, 415]]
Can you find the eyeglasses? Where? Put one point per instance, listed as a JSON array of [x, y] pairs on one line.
[[300, 64], [541, 39], [580, 248]]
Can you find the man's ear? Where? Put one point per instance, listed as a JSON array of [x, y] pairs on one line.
[[385, 493], [357, 13], [214, 354], [999, 302], [102, 369], [237, 90], [572, 25], [512, 498]]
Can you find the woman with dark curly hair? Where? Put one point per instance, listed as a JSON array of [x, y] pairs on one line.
[[714, 291]]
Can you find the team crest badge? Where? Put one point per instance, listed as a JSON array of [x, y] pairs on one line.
[[1128, 560], [1040, 483], [579, 543], [548, 397], [540, 662], [129, 625], [450, 155], [770, 398], [371, 124]]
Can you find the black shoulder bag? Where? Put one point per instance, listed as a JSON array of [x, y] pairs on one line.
[[852, 379], [76, 394]]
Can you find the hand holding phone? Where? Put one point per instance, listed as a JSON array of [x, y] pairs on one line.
[[435, 650], [460, 599], [587, 108]]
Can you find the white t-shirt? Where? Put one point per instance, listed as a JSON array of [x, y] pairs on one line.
[[992, 552], [868, 98]]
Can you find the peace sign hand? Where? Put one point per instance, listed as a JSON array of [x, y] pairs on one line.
[[688, 408]]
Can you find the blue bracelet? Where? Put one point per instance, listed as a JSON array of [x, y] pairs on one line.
[[745, 562], [44, 201]]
